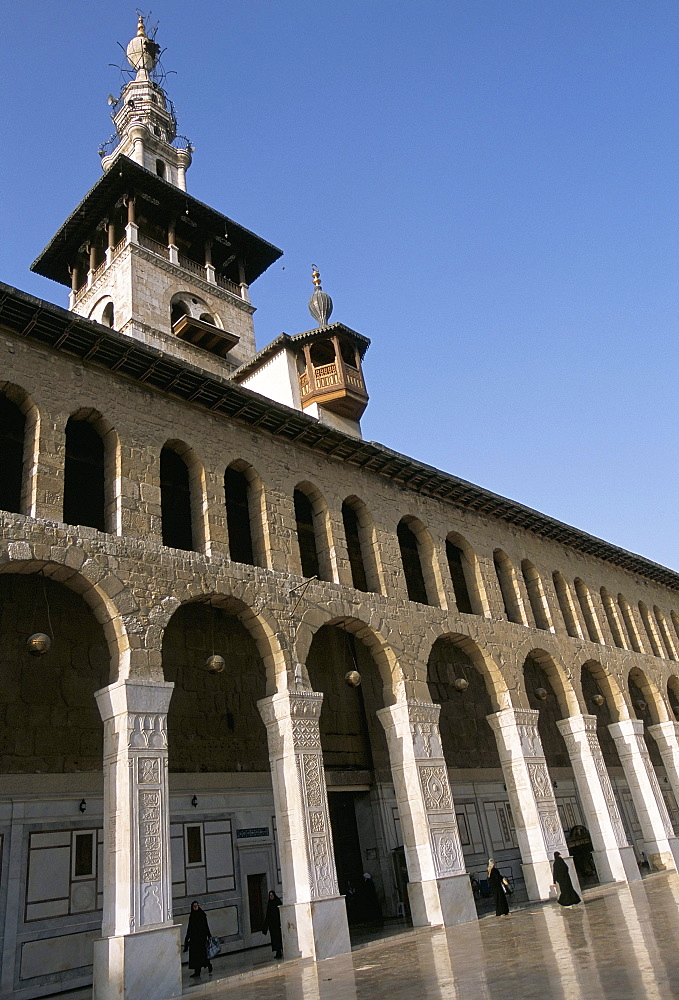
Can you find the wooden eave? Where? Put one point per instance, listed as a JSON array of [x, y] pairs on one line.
[[42, 323]]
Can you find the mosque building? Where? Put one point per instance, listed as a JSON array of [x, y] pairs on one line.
[[244, 649]]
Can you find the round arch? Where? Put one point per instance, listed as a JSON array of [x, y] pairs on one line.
[[608, 686], [496, 685], [566, 694], [656, 708]]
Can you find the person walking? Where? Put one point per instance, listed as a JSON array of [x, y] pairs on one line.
[[497, 886], [272, 923], [195, 942], [568, 896]]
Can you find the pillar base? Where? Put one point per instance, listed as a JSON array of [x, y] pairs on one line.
[[662, 855], [141, 966], [315, 930], [442, 902], [538, 877], [616, 865]]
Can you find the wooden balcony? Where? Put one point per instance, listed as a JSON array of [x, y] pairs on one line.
[[205, 335], [337, 387]]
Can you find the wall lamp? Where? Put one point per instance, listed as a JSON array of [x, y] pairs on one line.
[[83, 806], [194, 801]]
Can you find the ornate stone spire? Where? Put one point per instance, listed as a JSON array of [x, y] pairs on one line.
[[320, 304], [142, 52]]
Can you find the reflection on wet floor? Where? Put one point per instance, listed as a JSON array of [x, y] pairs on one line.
[[622, 944]]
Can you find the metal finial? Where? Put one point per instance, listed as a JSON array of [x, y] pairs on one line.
[[320, 304], [141, 27]]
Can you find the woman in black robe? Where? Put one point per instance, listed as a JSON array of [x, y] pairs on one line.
[[562, 876], [497, 887], [195, 942], [272, 924]]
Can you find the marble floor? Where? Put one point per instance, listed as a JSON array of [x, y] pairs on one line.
[[622, 944]]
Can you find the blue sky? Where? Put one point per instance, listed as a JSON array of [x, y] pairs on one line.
[[488, 187]]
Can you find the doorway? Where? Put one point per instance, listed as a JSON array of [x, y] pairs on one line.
[[257, 896]]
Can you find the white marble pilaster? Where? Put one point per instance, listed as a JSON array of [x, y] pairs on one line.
[[666, 735], [314, 917], [138, 956], [439, 889], [531, 797], [660, 845], [613, 856]]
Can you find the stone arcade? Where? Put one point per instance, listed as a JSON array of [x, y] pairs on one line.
[[417, 673]]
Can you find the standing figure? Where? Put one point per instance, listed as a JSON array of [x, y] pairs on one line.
[[497, 886], [372, 911], [562, 876], [195, 942], [272, 923]]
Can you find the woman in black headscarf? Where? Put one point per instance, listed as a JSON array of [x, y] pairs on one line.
[[272, 924], [195, 942], [562, 876], [497, 887]]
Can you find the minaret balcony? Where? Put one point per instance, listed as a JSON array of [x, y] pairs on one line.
[[338, 388]]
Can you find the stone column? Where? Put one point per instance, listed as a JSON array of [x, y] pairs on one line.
[[666, 735], [138, 956], [313, 915], [613, 856], [531, 797], [439, 889], [660, 845]]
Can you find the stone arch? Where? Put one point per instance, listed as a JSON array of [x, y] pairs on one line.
[[256, 508], [467, 738], [197, 492], [110, 439], [494, 679], [31, 444], [261, 624], [608, 686], [656, 707], [512, 601], [312, 519], [103, 311], [536, 596], [361, 539], [114, 622], [424, 556], [185, 303], [213, 717], [558, 676], [597, 683], [468, 564]]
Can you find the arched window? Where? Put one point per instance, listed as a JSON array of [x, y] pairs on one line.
[[630, 624], [459, 567], [650, 629], [84, 477], [107, 315], [563, 596], [536, 596], [665, 633], [354, 548], [613, 620], [237, 492], [175, 500], [510, 598], [412, 565], [177, 310], [12, 435], [160, 168], [306, 534], [588, 613]]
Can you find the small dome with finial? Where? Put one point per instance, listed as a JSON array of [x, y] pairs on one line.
[[320, 304], [142, 53]]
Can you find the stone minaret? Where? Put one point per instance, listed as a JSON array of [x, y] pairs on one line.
[[144, 118], [142, 256]]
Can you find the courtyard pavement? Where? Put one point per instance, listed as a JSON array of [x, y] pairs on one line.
[[622, 943]]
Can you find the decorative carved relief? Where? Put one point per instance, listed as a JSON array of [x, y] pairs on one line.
[[147, 732], [149, 770], [435, 788], [423, 712], [316, 822], [530, 740], [539, 779], [426, 739], [311, 773], [150, 846], [305, 733], [551, 828], [447, 852], [323, 882]]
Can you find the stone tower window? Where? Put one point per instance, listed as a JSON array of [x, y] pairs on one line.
[[160, 168], [412, 565], [107, 315], [84, 481], [536, 595], [12, 433], [306, 534], [505, 577], [175, 500], [237, 490]]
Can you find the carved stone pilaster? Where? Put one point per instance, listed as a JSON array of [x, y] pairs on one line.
[[427, 811], [531, 796], [666, 735], [613, 856], [137, 873], [660, 844]]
